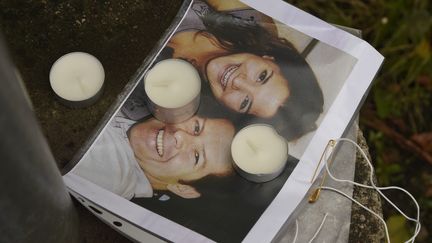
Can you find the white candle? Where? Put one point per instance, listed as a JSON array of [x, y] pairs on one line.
[[77, 79], [259, 152], [173, 87]]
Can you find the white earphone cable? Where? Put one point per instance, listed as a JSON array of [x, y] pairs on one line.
[[378, 189], [319, 228], [296, 231]]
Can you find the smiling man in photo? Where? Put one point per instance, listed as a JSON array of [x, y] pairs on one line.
[[133, 159], [187, 151]]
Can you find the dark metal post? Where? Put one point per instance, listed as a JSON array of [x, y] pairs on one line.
[[34, 203]]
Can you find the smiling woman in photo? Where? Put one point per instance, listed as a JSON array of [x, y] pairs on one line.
[[248, 84], [249, 69]]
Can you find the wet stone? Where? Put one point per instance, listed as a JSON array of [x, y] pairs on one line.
[[365, 227]]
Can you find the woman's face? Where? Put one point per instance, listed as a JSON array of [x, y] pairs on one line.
[[248, 83], [183, 151]]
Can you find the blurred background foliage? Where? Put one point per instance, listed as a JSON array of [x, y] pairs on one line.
[[397, 116]]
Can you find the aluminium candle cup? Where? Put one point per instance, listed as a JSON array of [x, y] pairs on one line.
[[180, 74], [173, 115], [258, 178], [261, 177], [77, 68]]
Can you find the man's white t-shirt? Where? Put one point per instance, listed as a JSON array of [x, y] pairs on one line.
[[110, 163]]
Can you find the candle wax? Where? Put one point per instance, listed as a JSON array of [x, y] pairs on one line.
[[77, 76], [172, 83], [258, 149]]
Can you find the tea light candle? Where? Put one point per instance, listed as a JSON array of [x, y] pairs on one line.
[[173, 87], [259, 152], [77, 79]]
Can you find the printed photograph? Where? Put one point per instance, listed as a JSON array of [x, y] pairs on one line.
[[253, 69]]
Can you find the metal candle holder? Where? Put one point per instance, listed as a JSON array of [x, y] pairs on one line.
[[173, 115], [182, 112]]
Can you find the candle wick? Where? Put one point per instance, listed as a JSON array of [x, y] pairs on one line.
[[81, 85], [252, 146]]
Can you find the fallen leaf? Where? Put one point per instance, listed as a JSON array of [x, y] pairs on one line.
[[428, 192], [398, 228], [423, 49], [424, 140], [424, 80]]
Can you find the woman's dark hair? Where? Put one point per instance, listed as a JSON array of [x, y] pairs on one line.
[[236, 34], [298, 114]]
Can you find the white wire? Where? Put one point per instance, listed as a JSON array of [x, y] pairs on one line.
[[372, 182], [319, 228], [378, 189], [296, 232], [361, 205]]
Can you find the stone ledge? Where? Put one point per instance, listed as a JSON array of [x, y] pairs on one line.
[[365, 227]]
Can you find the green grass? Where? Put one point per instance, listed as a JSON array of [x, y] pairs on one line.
[[397, 116]]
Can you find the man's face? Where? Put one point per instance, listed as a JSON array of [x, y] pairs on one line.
[[183, 151]]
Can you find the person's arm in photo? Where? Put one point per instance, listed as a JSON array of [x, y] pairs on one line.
[[231, 6]]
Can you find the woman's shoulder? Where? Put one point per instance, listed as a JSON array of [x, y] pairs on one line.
[[232, 7], [201, 8], [192, 20]]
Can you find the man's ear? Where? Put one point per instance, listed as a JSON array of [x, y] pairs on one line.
[[184, 191], [268, 57]]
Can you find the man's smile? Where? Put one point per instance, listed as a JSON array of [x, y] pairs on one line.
[[160, 142]]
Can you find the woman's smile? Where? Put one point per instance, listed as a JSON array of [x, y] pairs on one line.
[[248, 83], [226, 75]]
